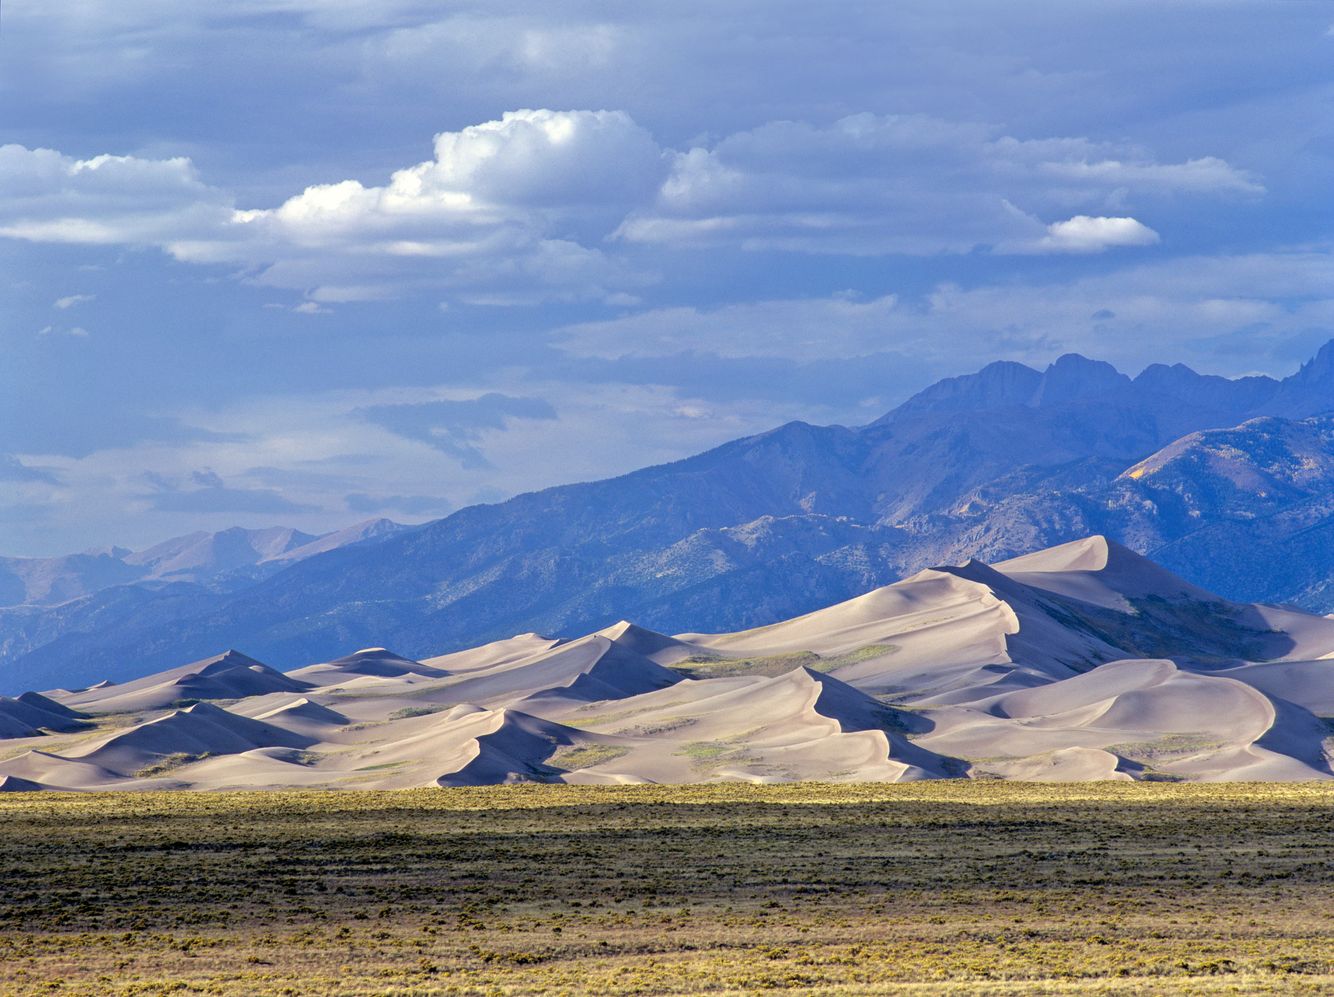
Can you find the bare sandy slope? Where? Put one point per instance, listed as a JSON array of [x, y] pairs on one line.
[[1081, 662]]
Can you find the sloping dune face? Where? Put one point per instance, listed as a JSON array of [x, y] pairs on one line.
[[1083, 662]]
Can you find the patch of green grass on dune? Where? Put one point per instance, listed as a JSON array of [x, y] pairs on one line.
[[586, 756], [170, 763], [938, 887], [709, 667], [775, 664]]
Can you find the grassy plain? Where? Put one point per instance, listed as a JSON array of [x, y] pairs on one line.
[[945, 887]]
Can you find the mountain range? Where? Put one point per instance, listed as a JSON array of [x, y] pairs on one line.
[[1228, 482], [1082, 662]]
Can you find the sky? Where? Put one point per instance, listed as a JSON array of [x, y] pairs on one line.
[[308, 262]]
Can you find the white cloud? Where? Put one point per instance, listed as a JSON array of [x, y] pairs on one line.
[[70, 300], [870, 184], [502, 211], [46, 196], [77, 331], [1206, 175], [519, 209], [1086, 234]]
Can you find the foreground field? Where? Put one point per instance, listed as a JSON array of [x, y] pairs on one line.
[[978, 888]]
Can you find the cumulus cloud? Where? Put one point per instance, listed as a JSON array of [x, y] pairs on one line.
[[46, 196], [503, 210], [1085, 234], [70, 300]]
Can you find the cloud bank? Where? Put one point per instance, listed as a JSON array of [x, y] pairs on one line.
[[533, 206]]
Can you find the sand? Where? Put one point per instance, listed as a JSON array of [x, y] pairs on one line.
[[1034, 669]]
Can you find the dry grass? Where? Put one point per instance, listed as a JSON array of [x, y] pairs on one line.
[[970, 888]]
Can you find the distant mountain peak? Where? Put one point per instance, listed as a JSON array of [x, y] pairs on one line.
[[1001, 384], [1074, 377]]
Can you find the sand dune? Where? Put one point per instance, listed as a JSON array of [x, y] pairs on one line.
[[14, 784], [498, 652], [194, 732], [57, 772], [303, 711], [230, 675], [1098, 571], [590, 668], [377, 662], [1078, 663], [30, 713]]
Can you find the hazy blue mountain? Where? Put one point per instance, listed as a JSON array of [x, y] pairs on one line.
[[228, 558], [991, 465]]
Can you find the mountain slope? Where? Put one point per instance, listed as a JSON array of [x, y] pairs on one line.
[[771, 526]]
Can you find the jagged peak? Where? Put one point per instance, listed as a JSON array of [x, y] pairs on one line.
[[1319, 367], [1074, 376]]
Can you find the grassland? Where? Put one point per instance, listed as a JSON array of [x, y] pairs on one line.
[[976, 888]]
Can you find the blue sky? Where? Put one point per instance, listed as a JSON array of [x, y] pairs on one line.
[[311, 261]]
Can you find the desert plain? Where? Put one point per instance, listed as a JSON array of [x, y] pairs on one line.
[[953, 887]]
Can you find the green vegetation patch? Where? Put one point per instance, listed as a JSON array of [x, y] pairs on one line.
[[416, 711], [586, 756], [1170, 747], [868, 653], [711, 667], [169, 763], [707, 756], [707, 667]]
